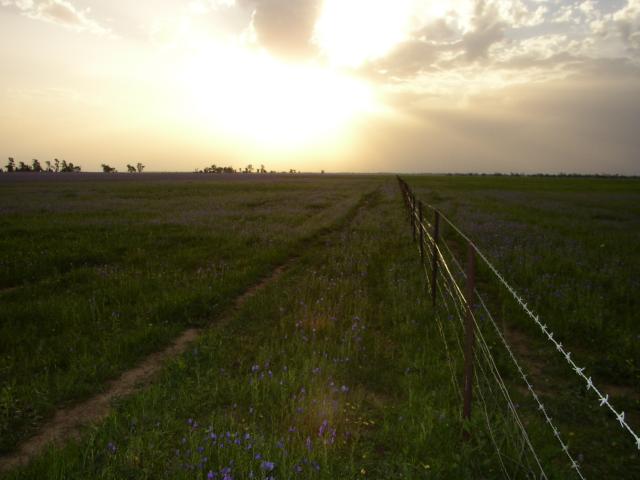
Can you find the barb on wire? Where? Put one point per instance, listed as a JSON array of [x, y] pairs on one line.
[[603, 399]]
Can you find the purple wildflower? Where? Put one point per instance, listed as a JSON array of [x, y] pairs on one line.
[[267, 466], [323, 428]]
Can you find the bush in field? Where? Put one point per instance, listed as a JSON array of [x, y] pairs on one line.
[[131, 168], [140, 167], [215, 169], [69, 167], [11, 165], [107, 169], [23, 167], [35, 165]]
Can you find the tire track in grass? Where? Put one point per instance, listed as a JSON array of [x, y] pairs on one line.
[[67, 423]]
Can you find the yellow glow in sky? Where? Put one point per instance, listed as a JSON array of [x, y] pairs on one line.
[[375, 85], [252, 96], [351, 32]]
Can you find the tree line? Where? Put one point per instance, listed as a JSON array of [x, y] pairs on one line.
[[56, 166], [248, 169], [138, 168]]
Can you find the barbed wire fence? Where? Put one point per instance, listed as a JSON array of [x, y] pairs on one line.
[[465, 322]]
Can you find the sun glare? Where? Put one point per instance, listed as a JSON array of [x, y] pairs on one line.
[[350, 32], [253, 97]]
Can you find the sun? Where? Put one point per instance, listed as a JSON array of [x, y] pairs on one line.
[[350, 32], [250, 96]]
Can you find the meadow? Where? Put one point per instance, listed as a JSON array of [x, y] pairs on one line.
[[336, 368]]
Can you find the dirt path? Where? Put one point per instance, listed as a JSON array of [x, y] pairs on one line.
[[67, 423]]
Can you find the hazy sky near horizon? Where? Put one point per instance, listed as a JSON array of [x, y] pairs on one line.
[[340, 85]]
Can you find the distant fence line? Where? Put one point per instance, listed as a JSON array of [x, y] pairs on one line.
[[458, 298]]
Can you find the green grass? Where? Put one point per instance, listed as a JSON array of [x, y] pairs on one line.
[[336, 370], [333, 372], [95, 276], [569, 247]]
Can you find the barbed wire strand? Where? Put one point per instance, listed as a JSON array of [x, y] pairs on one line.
[[541, 407], [602, 398], [484, 348]]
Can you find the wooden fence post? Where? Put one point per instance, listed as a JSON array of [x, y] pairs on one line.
[[421, 227], [469, 337], [434, 257], [413, 216]]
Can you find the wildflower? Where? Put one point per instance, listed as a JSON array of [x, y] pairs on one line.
[[309, 444], [267, 466], [323, 428], [211, 475], [344, 389], [112, 447], [255, 368]]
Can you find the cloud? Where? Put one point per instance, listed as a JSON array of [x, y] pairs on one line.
[[284, 27], [61, 12], [585, 123], [488, 28], [627, 23]]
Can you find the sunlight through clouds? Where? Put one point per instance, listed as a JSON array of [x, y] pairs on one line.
[[294, 78]]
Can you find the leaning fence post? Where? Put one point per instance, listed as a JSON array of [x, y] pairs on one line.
[[434, 257], [421, 227], [469, 337]]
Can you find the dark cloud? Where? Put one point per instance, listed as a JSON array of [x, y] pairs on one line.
[[285, 27]]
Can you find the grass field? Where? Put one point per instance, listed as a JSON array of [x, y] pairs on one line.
[[97, 274], [337, 368]]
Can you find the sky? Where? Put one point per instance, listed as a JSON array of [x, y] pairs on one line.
[[337, 85]]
